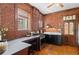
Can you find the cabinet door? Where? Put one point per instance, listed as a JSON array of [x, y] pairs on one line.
[[65, 40], [72, 40]]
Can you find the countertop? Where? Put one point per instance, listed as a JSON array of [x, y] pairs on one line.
[[52, 33], [17, 45]]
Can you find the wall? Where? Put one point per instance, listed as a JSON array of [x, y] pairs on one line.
[[27, 8], [36, 17], [8, 18], [0, 15], [56, 19]]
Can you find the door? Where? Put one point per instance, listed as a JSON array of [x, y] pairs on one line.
[[69, 32]]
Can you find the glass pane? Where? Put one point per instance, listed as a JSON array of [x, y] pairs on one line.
[[19, 24], [25, 25], [22, 24], [65, 28], [22, 19], [71, 28], [22, 12]]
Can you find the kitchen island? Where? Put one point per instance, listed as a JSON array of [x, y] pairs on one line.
[[17, 45]]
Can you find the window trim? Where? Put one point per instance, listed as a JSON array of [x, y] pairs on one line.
[[21, 17]]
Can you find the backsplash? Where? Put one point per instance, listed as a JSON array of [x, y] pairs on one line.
[[52, 30]]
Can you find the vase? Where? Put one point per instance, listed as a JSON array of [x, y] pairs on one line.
[[3, 46]]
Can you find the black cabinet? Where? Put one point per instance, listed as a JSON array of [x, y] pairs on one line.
[[35, 43], [53, 39]]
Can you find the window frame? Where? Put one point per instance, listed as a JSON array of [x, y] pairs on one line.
[[23, 18]]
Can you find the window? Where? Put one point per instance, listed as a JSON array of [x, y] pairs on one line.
[[22, 20], [40, 23], [72, 17]]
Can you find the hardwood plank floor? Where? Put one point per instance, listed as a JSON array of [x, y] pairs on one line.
[[49, 49]]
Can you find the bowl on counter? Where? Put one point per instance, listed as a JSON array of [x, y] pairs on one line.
[[3, 46]]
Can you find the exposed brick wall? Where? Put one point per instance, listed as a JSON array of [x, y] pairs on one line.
[[36, 16], [0, 15], [8, 18], [27, 8], [56, 19]]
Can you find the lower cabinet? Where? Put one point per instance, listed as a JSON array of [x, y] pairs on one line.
[[22, 52], [69, 40], [35, 44], [53, 39]]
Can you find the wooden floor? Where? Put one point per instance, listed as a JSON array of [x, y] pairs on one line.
[[48, 49]]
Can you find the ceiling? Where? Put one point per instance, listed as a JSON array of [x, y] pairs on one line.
[[55, 8]]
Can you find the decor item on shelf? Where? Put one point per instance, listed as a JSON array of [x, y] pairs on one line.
[[48, 26], [3, 42], [32, 33], [59, 30], [28, 33]]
